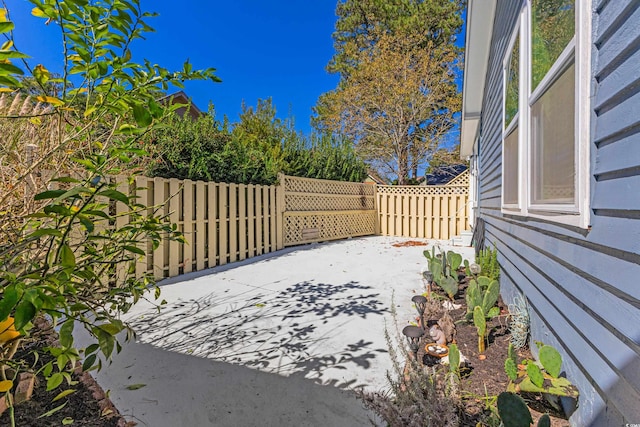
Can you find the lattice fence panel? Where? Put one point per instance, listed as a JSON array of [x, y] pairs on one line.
[[462, 179], [321, 226], [316, 202], [423, 190], [323, 186], [318, 210]]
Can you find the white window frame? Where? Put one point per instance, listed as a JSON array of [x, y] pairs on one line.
[[578, 51], [515, 121]]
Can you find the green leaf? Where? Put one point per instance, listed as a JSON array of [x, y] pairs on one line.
[[142, 116], [53, 411], [8, 302], [45, 232], [63, 394], [38, 13], [25, 312], [49, 194], [47, 369], [135, 386], [89, 362], [7, 26], [67, 258], [155, 109], [106, 341], [11, 54], [115, 195], [66, 333], [57, 209], [54, 381], [67, 421], [91, 349], [64, 179], [41, 74], [9, 68], [88, 224], [134, 249], [111, 328]]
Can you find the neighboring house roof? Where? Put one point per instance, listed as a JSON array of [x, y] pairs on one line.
[[182, 98], [480, 16], [374, 178], [445, 174]]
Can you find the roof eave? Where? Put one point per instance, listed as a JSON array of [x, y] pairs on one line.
[[480, 17]]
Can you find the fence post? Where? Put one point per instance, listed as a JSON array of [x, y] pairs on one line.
[[280, 204], [376, 206]]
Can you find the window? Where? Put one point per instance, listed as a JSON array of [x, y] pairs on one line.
[[510, 175], [545, 139]]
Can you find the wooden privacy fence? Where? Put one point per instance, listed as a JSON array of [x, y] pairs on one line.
[[221, 222], [319, 210], [428, 212], [224, 223]]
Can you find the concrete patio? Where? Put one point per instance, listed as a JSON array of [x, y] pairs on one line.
[[280, 340]]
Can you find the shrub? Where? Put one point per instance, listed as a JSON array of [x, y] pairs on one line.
[[71, 259], [417, 397]]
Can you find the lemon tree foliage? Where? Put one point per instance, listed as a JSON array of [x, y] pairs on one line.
[[251, 151], [72, 261]]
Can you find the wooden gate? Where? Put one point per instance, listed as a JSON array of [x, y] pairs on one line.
[[318, 210]]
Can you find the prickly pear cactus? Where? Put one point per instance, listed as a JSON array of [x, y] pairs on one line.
[[473, 297], [454, 260], [467, 270], [535, 374], [481, 325], [454, 358], [513, 411], [484, 282], [511, 352], [551, 360], [511, 369], [544, 421], [490, 296], [436, 269], [450, 286]]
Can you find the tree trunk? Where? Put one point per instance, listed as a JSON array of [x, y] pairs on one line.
[[403, 167]]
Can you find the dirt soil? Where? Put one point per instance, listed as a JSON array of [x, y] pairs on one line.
[[485, 378], [87, 406]]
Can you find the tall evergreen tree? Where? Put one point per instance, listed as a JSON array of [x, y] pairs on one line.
[[397, 96], [361, 22]]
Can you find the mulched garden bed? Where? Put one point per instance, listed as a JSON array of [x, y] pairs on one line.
[[485, 377], [87, 406]]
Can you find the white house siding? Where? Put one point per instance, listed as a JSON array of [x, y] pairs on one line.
[[583, 286]]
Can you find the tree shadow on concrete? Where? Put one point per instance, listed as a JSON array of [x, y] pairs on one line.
[[174, 389], [291, 332]]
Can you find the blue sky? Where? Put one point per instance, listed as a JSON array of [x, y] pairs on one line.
[[261, 49]]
